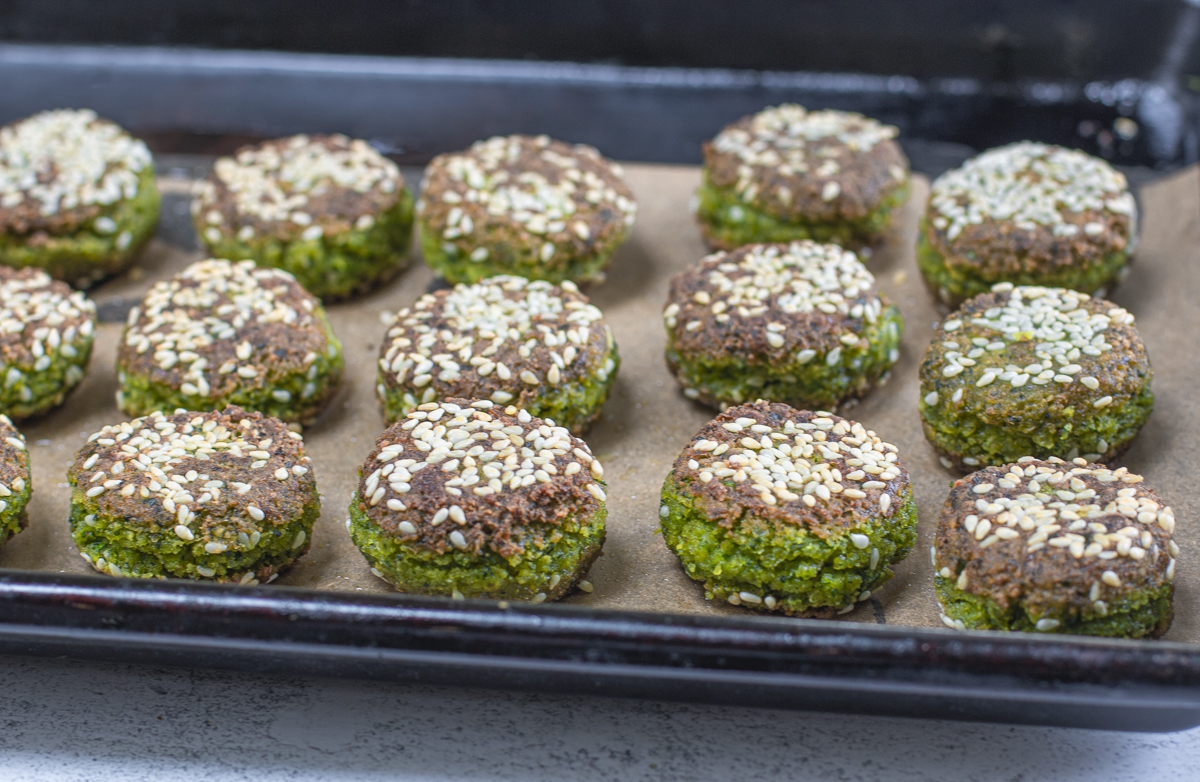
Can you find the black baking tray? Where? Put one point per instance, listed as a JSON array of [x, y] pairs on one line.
[[203, 100]]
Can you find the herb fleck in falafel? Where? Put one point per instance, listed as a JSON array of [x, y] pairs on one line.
[[1029, 214], [15, 484], [77, 195], [1054, 546], [787, 173], [773, 508], [46, 333], [328, 209], [524, 205], [800, 323], [1032, 371], [471, 499], [226, 496], [542, 347], [222, 333]]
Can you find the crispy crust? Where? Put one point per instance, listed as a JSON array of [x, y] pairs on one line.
[[450, 324], [1053, 578], [283, 325], [864, 178], [1121, 374], [225, 203], [487, 520], [725, 504], [565, 197], [995, 248], [746, 332]]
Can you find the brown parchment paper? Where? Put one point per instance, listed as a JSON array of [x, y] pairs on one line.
[[647, 421]]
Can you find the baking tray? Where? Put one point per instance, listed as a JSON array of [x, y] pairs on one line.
[[645, 630]]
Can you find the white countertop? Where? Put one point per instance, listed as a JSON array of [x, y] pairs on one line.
[[68, 722]]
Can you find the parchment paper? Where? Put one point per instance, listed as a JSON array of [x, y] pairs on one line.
[[647, 421]]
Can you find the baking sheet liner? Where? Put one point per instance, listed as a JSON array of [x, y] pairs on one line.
[[647, 421]]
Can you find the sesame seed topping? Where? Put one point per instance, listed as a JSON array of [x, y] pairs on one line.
[[58, 161], [562, 199], [453, 464], [1068, 333], [196, 467], [286, 181], [795, 460], [217, 324], [502, 335], [1031, 185]]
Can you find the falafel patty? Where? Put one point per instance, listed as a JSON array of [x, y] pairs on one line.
[[1029, 214], [222, 333], [542, 347], [801, 323], [524, 205], [1054, 546], [466, 498], [786, 510], [77, 195], [786, 173], [1033, 371], [224, 496], [330, 210]]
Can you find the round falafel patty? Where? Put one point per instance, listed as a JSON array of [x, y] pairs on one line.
[[786, 173], [1029, 214], [222, 333], [541, 347], [524, 205], [1054, 546], [15, 483], [470, 499], [778, 509], [77, 195], [226, 496], [328, 209], [1032, 371], [46, 334], [801, 323]]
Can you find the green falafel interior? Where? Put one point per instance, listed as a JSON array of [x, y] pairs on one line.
[[466, 498]]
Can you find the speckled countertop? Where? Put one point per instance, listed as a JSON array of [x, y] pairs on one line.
[[71, 722]]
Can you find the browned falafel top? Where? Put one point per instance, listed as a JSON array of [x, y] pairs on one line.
[[505, 339], [1052, 533], [304, 186], [1029, 207], [814, 470], [472, 475], [39, 318], [205, 475], [561, 200], [789, 302], [811, 165], [218, 325], [60, 169]]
